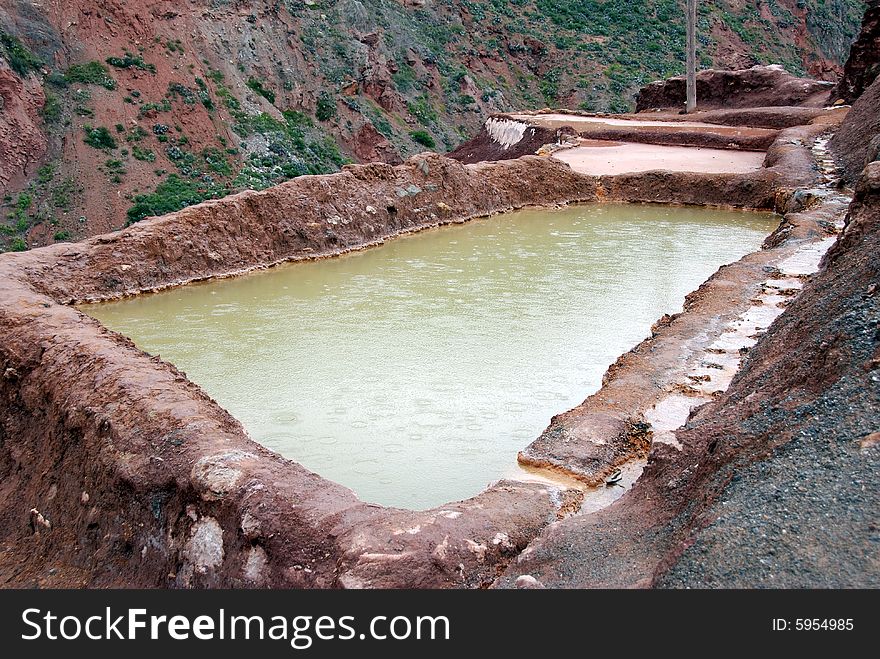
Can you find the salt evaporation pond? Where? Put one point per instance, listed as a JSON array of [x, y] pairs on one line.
[[414, 372]]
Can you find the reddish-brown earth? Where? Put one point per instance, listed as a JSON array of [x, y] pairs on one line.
[[857, 143], [22, 144], [755, 87], [863, 65]]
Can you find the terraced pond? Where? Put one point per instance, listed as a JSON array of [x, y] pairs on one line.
[[414, 372]]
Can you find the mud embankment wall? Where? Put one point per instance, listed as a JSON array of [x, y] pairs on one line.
[[116, 470], [504, 138]]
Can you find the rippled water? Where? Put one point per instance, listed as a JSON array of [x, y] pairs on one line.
[[414, 372]]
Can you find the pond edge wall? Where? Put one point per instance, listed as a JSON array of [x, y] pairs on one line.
[[118, 471]]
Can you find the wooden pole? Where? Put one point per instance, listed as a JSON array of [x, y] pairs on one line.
[[691, 55]]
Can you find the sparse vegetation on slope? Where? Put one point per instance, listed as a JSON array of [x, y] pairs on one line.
[[301, 89]]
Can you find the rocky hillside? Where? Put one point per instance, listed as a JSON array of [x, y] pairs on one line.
[[112, 111], [857, 143], [863, 65]]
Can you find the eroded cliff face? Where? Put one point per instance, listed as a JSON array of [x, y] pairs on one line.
[[857, 143], [22, 142], [205, 98], [863, 65]]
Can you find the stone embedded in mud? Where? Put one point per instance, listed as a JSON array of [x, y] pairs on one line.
[[255, 565], [869, 441], [204, 549], [528, 582], [39, 520], [502, 541], [250, 526], [215, 477]]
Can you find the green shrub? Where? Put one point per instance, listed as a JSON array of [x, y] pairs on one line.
[[163, 106], [297, 119], [64, 234], [130, 61], [326, 107], [405, 78], [172, 194], [25, 199], [424, 138], [18, 245], [145, 155], [99, 138], [136, 134], [20, 59], [62, 195], [115, 170], [175, 89], [422, 110], [90, 73], [257, 86], [57, 80], [382, 124], [215, 161], [45, 174], [204, 94]]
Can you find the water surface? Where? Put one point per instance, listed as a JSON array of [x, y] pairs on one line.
[[414, 372]]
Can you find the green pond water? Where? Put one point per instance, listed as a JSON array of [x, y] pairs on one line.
[[414, 372]]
